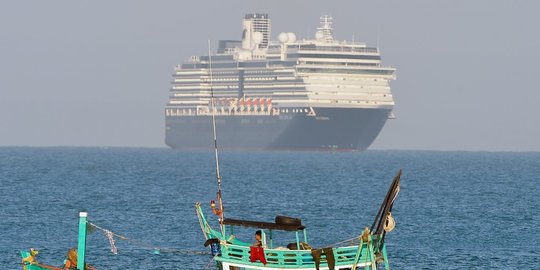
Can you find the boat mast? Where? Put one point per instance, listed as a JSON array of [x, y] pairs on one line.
[[218, 174]]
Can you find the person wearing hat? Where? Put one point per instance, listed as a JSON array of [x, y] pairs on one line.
[[30, 259], [71, 261]]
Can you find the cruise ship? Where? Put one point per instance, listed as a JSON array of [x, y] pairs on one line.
[[289, 94]]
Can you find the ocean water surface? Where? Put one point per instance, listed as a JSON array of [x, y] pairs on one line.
[[456, 210]]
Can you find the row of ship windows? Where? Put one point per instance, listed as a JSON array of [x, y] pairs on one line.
[[338, 78], [273, 78], [203, 80], [333, 56], [339, 48], [338, 63], [316, 70], [326, 88], [186, 73], [257, 64], [198, 80], [197, 95], [234, 86], [274, 64], [347, 71], [224, 94], [351, 87]]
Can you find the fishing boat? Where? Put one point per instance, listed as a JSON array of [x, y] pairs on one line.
[[34, 265], [368, 250], [75, 257]]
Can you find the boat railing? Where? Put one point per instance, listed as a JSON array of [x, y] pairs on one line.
[[297, 258]]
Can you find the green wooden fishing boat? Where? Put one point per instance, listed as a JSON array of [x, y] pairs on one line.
[[34, 265], [75, 261], [367, 251]]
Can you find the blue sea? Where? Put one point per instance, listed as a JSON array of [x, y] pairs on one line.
[[456, 210]]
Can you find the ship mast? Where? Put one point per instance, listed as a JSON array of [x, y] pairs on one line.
[[218, 174], [325, 29]]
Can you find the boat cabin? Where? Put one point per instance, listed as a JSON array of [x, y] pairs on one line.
[[282, 223]]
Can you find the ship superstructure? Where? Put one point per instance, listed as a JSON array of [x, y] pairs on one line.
[[289, 94]]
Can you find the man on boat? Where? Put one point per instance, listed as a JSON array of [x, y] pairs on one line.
[[71, 261], [256, 250], [30, 259], [258, 239]]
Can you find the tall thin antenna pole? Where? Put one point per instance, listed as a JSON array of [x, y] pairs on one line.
[[378, 36], [213, 108]]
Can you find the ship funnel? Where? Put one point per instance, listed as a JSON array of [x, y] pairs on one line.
[[253, 26]]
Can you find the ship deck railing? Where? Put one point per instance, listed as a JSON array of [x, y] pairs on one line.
[[382, 100], [180, 112]]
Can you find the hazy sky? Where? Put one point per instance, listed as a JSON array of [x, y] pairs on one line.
[[97, 73]]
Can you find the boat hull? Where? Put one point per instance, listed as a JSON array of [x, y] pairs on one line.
[[336, 129], [251, 267]]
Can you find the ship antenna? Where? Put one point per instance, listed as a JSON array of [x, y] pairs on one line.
[[378, 38], [218, 174]]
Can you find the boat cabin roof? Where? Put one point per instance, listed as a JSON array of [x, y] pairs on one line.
[[262, 225]]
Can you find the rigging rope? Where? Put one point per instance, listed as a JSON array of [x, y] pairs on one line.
[[110, 235], [210, 263], [198, 205], [389, 224], [218, 174], [350, 240]]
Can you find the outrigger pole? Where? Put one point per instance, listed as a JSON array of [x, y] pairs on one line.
[[218, 174], [81, 244]]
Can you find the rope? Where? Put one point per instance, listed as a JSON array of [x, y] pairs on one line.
[[141, 244], [389, 224], [198, 205], [110, 236], [350, 240], [210, 263]]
